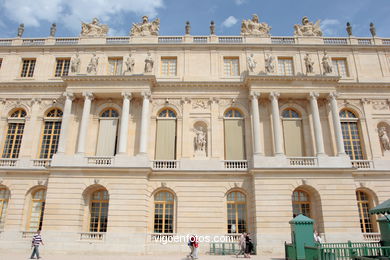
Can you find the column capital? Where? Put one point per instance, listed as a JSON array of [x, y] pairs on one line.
[[88, 95], [313, 95], [333, 95], [68, 95], [126, 95], [146, 94], [254, 95], [274, 95]]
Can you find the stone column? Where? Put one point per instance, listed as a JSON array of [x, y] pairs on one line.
[[124, 130], [257, 149], [84, 122], [317, 124], [143, 147], [277, 127], [69, 97], [336, 124]]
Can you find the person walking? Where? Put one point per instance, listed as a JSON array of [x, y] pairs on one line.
[[241, 244], [248, 246], [193, 243], [36, 241]]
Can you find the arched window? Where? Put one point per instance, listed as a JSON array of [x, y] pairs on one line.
[[51, 134], [164, 202], [4, 197], [14, 136], [108, 129], [38, 199], [292, 131], [365, 203], [236, 212], [234, 135], [301, 203], [99, 211], [351, 135], [166, 135]]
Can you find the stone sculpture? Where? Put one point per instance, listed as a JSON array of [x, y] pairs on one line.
[[269, 64], [200, 139], [372, 29], [384, 138], [349, 29], [149, 63], [326, 64], [129, 63], [21, 30], [254, 28], [75, 64], [53, 30], [251, 63], [145, 28], [308, 64], [307, 28], [92, 66], [212, 28], [94, 29], [188, 28]]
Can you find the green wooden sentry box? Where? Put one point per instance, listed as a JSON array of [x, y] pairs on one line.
[[302, 234], [384, 226]]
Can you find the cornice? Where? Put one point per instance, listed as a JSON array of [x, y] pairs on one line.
[[363, 84], [136, 77], [32, 84], [317, 78], [200, 84]]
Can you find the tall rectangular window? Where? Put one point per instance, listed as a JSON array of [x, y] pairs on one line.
[[285, 66], [62, 67], [340, 67], [168, 66], [115, 66], [28, 66], [231, 66]]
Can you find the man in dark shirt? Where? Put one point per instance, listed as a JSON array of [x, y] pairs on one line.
[[36, 241]]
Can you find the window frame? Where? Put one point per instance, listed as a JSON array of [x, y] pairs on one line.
[[370, 205], [53, 120], [3, 209], [237, 202], [231, 59], [63, 66], [41, 211], [349, 121], [18, 121], [337, 73], [28, 70], [300, 203], [116, 72], [101, 201], [164, 202], [284, 58], [168, 58]]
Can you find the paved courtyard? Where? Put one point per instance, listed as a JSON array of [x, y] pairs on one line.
[[21, 256]]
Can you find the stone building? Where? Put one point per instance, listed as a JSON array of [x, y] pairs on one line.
[[109, 143]]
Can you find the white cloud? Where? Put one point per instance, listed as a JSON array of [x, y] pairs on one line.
[[229, 22], [330, 26], [70, 13], [239, 2]]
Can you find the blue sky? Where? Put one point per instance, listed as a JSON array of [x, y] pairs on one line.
[[281, 15]]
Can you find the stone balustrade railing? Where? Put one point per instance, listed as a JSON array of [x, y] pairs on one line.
[[372, 237], [188, 39], [303, 161], [165, 164], [92, 236], [8, 162], [362, 164], [101, 160], [235, 164], [41, 162]]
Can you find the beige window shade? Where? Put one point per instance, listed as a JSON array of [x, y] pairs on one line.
[[293, 139], [107, 137], [166, 139], [234, 139]]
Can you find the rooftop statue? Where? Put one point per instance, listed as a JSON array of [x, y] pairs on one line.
[[94, 28], [254, 27], [145, 28], [307, 28]]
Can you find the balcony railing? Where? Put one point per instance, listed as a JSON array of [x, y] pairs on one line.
[[170, 39], [230, 39], [200, 39], [283, 40], [41, 162], [5, 42], [303, 161], [364, 42], [33, 42], [67, 41], [362, 164], [101, 160], [165, 164], [92, 236], [235, 164], [117, 40], [335, 41], [8, 162], [386, 41], [372, 237]]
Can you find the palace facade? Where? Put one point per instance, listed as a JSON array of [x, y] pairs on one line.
[[109, 143]]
